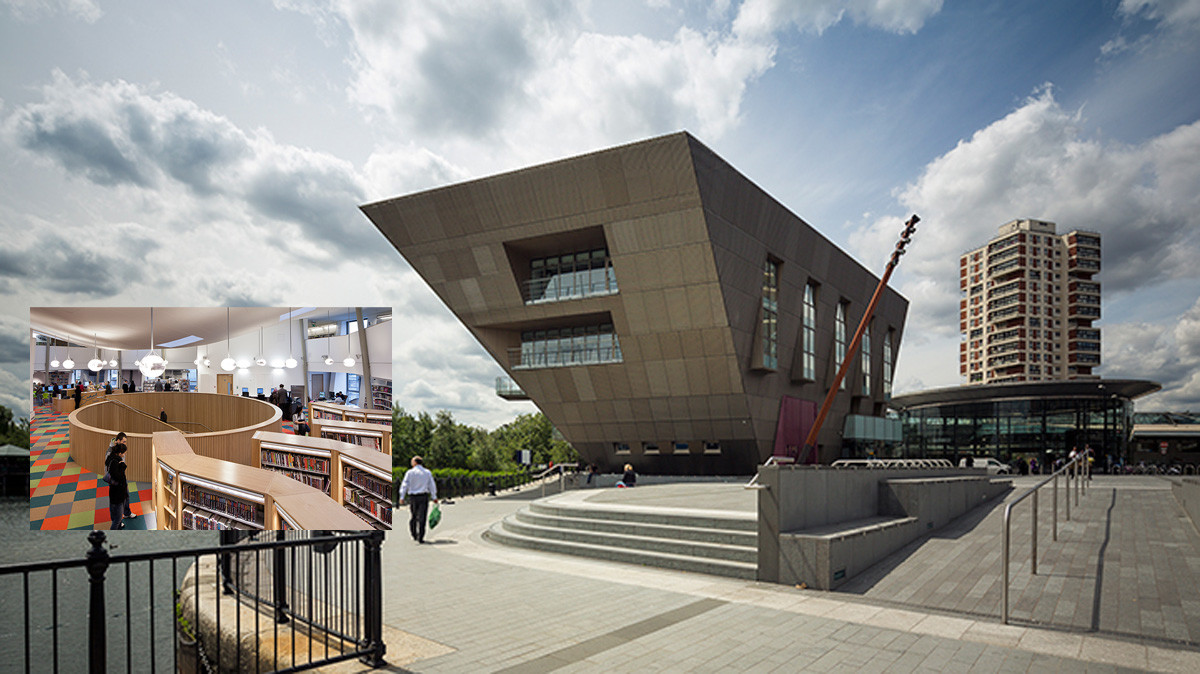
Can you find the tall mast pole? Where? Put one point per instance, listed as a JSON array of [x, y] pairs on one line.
[[810, 443]]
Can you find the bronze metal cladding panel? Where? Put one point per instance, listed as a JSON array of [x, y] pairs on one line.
[[687, 236]]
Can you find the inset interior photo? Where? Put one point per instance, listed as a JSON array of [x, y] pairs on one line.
[[246, 418]]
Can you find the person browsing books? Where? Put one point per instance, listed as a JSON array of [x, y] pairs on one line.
[[418, 488]]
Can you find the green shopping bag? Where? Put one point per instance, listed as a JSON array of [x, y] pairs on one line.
[[435, 516]]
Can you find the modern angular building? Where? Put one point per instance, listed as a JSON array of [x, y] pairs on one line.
[[1028, 305], [660, 308]]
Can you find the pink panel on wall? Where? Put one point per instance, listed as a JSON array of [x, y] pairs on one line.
[[796, 417]]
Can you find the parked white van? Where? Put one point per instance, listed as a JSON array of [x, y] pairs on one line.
[[993, 466]]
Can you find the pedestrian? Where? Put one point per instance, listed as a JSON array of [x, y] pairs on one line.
[[629, 478], [118, 491], [419, 487], [78, 394], [120, 439]]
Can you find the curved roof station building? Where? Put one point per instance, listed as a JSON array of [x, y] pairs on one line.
[[1044, 419]]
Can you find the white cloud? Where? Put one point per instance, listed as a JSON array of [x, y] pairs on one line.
[[534, 82], [1171, 352], [1037, 163], [143, 144], [1174, 14], [31, 10], [760, 17]]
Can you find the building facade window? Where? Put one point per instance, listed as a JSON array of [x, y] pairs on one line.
[[888, 338], [865, 351], [839, 340], [571, 276], [770, 315], [808, 368], [564, 347]]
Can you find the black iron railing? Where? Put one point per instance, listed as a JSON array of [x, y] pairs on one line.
[[312, 599]]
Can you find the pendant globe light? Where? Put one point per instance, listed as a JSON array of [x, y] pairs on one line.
[[291, 360], [228, 363], [53, 358], [95, 363], [67, 363], [153, 366]]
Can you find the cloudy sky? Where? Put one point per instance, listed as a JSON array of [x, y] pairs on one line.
[[182, 154]]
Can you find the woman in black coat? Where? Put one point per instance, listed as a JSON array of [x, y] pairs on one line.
[[118, 491]]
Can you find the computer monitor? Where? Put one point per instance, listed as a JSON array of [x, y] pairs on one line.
[[260, 392], [245, 391]]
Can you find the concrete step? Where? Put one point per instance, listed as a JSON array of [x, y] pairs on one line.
[[700, 520], [716, 567], [635, 538], [681, 533]]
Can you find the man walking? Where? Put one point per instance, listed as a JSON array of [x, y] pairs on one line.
[[419, 487]]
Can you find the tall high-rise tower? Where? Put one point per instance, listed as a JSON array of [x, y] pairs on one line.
[[1028, 304]]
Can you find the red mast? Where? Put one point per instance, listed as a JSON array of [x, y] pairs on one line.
[[810, 444]]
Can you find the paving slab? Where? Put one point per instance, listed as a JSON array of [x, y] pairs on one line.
[[479, 607]]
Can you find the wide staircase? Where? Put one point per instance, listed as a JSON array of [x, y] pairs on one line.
[[701, 541]]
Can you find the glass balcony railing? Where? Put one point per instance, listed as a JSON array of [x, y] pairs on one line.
[[570, 286], [543, 355], [509, 390]]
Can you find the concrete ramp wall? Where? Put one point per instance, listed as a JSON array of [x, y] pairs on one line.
[[820, 526], [1187, 492]]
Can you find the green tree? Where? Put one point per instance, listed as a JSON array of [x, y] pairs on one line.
[[450, 445], [13, 432], [411, 436], [486, 454], [535, 433]]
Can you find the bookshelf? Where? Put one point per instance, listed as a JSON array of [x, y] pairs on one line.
[[210, 505], [354, 477], [367, 435], [366, 482], [381, 393], [304, 465], [165, 479], [323, 411], [200, 492]]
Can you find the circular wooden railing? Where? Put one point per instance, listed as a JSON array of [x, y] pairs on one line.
[[215, 425]]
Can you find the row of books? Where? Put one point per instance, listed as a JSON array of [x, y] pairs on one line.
[[361, 478], [168, 481], [367, 518], [279, 459], [379, 509], [318, 413], [316, 481], [250, 512], [354, 439], [204, 521]]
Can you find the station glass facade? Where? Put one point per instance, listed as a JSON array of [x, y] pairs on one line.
[[1044, 420], [1010, 428]]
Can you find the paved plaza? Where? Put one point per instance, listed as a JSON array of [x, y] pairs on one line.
[[461, 604]]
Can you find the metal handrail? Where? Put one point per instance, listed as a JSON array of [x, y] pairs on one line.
[[771, 461], [151, 416], [891, 463], [194, 423], [1077, 469], [562, 475]]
